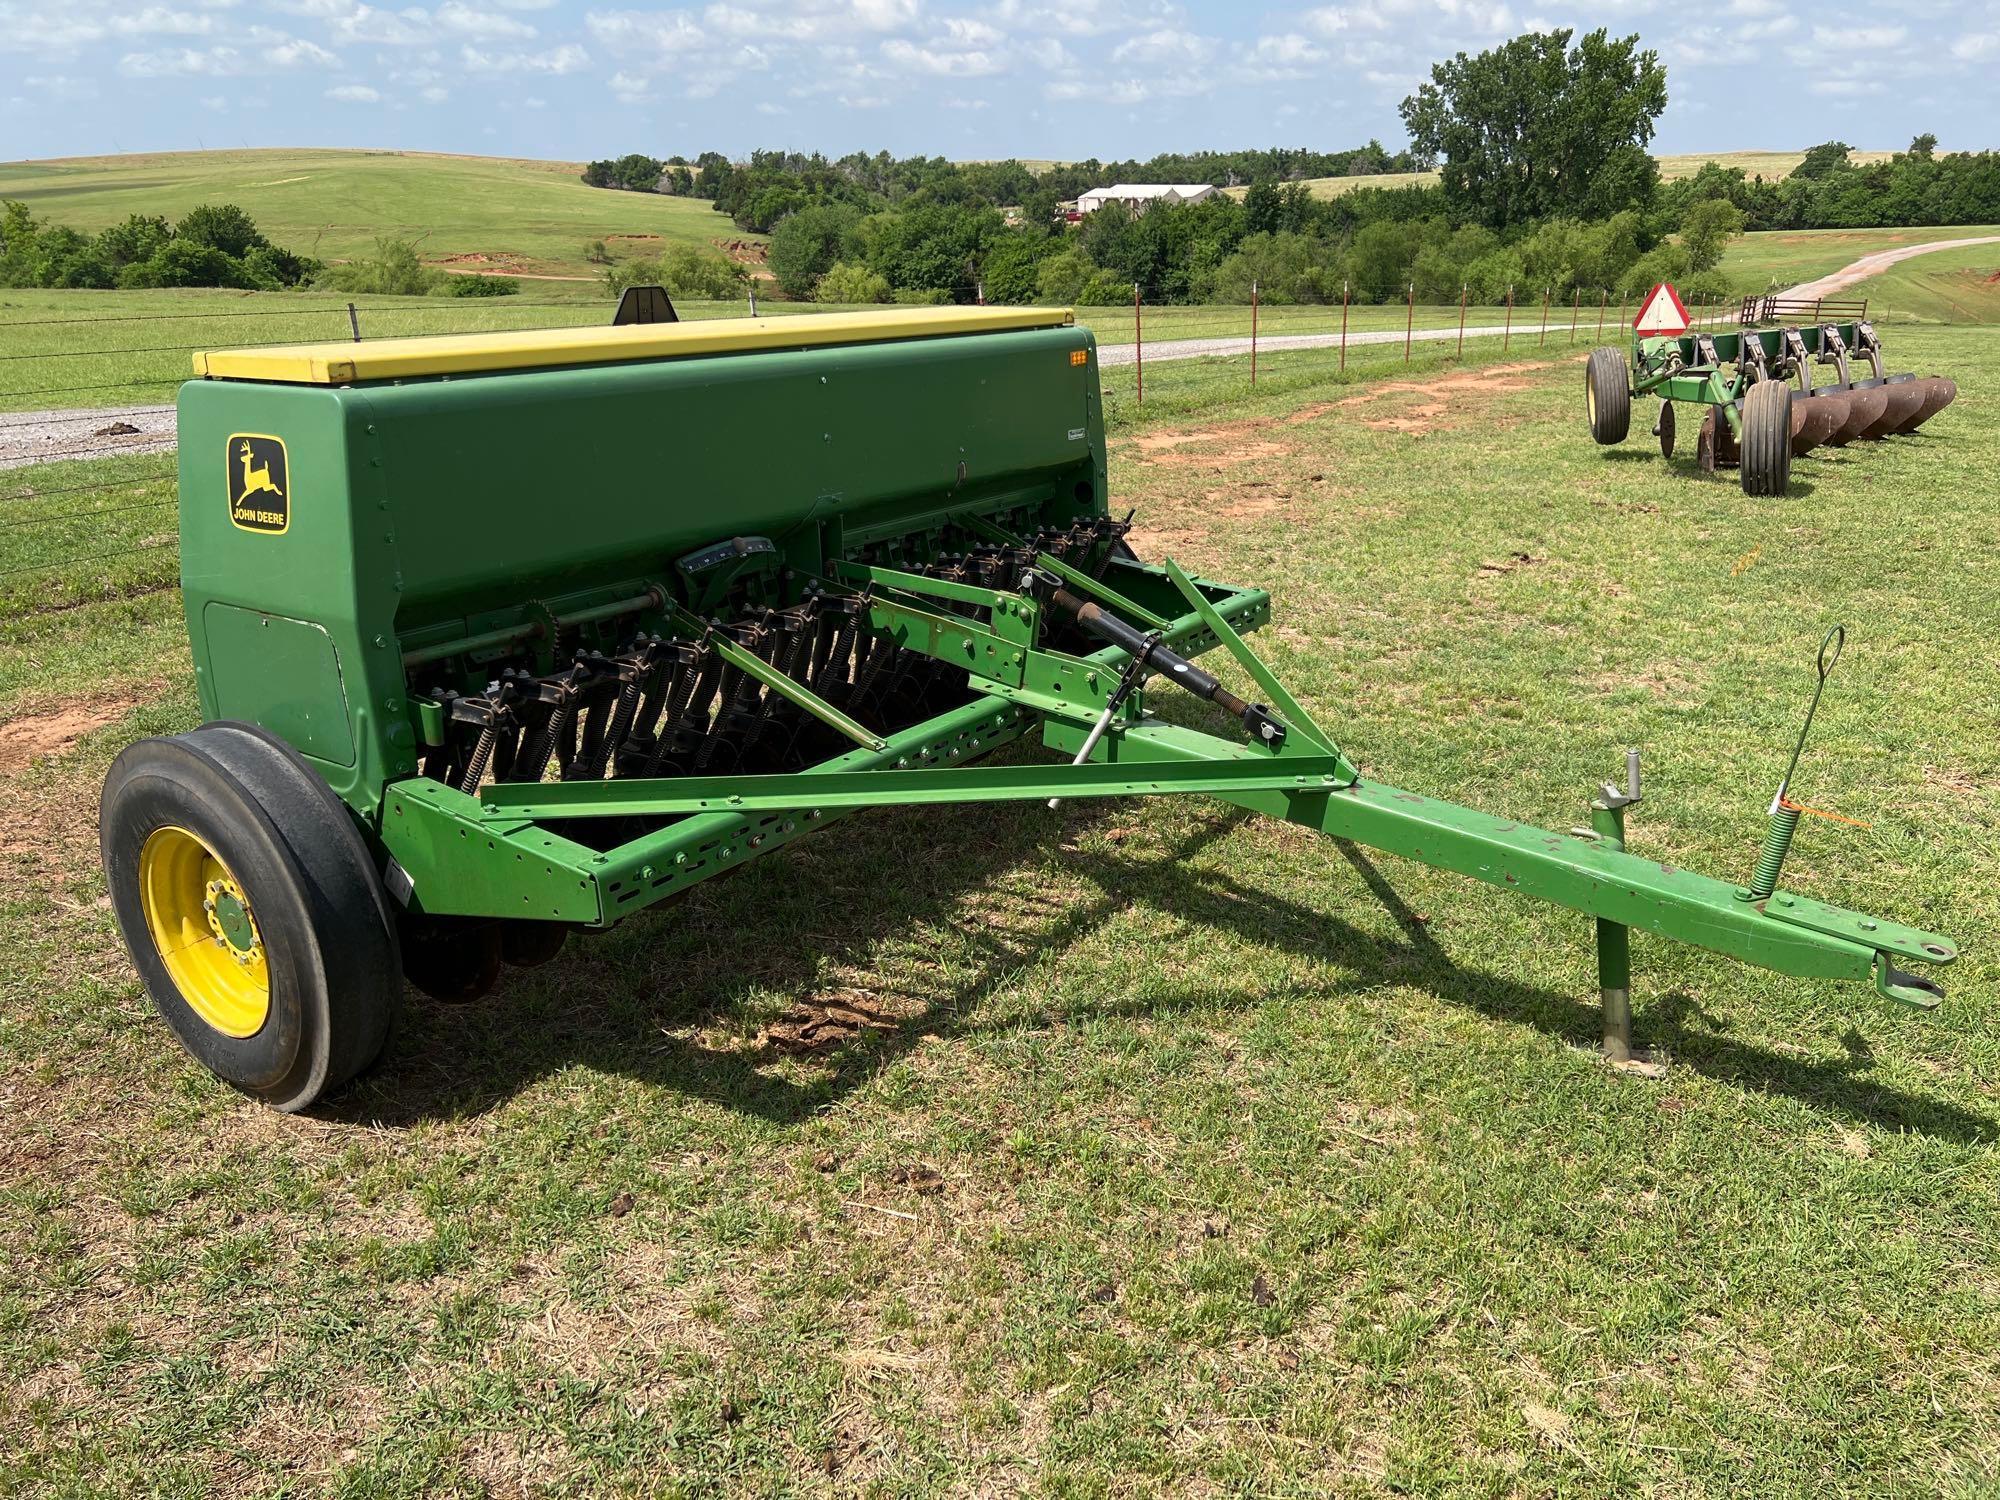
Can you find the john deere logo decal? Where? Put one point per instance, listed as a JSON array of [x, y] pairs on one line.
[[260, 484]]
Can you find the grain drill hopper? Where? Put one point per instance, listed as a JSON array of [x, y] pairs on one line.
[[504, 636], [1754, 419]]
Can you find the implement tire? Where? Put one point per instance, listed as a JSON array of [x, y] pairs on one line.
[[1607, 396], [252, 910], [1766, 461]]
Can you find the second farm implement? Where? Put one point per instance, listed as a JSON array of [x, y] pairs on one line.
[[758, 610], [1743, 383]]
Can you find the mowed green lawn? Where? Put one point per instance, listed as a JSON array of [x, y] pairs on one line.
[[475, 212], [1171, 1152]]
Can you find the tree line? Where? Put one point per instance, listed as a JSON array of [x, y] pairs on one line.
[[214, 245], [759, 192], [1829, 190], [1546, 183]]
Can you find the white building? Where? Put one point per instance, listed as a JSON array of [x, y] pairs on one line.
[[1137, 197]]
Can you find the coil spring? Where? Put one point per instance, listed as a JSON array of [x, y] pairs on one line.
[[1777, 844]]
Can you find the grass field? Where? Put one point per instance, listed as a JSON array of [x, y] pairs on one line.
[[99, 349], [1787, 257], [1771, 165], [1951, 286], [1190, 1155], [474, 212]]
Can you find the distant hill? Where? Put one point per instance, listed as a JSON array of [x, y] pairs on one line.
[[468, 212]]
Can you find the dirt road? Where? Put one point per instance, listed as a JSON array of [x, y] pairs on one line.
[[1874, 265]]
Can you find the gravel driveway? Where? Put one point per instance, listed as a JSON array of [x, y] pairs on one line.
[[38, 437]]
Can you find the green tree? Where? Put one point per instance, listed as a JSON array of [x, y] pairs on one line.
[[1263, 208], [932, 247], [1706, 230], [806, 244], [138, 238], [1535, 127], [851, 283], [685, 271], [220, 226], [1063, 276], [1823, 161]]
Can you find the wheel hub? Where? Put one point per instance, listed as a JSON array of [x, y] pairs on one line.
[[229, 918], [205, 930]]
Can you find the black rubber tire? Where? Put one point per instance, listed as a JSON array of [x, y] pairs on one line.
[[1607, 396], [1667, 429], [329, 941], [1766, 463]]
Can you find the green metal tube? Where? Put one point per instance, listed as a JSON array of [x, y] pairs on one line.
[[1614, 951]]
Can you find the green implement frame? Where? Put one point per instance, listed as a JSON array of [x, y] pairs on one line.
[[1715, 369], [1303, 777]]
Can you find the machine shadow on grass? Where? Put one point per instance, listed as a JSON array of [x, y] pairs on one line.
[[465, 1061]]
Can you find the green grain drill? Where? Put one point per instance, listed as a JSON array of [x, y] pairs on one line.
[[503, 637]]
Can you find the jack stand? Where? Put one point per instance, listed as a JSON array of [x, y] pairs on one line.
[[1614, 939]]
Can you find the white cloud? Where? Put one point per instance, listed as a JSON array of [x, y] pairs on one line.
[[664, 33], [568, 58], [1163, 47], [62, 87], [462, 20], [1276, 58], [940, 62], [630, 87], [354, 93], [435, 94], [1845, 88], [1977, 46], [1860, 38], [225, 61], [966, 32], [157, 20]]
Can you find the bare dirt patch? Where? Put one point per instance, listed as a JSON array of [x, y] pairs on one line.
[[30, 737], [822, 1024]]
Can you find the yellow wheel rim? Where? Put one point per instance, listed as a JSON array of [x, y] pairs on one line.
[[1590, 401], [206, 933]]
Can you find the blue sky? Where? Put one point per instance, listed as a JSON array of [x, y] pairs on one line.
[[1031, 78]]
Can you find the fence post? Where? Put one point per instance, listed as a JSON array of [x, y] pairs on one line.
[[1344, 286], [1603, 301], [753, 299], [1461, 319], [354, 322], [1409, 322], [1138, 350], [1507, 334], [1575, 307], [1253, 332], [1547, 291]]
